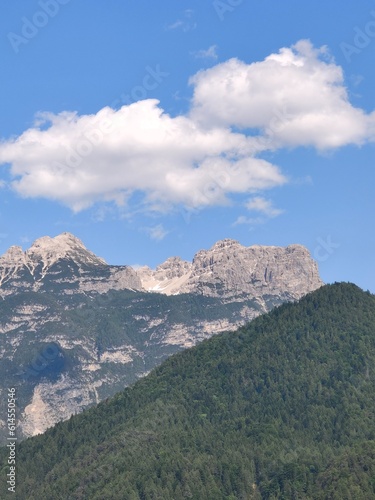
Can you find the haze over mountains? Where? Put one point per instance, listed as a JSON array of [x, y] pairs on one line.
[[75, 330]]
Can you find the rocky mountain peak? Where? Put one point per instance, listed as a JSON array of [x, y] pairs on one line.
[[61, 263], [227, 270], [61, 240], [65, 245], [230, 270], [167, 277], [13, 255], [222, 247], [225, 243], [174, 267]]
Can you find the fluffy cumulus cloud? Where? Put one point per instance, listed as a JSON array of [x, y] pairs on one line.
[[79, 160], [293, 98]]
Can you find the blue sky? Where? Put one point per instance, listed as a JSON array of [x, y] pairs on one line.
[[153, 130]]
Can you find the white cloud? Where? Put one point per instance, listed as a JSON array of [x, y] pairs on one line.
[[262, 206], [210, 53], [296, 97], [251, 221], [79, 160], [175, 25], [356, 79], [293, 98], [259, 204], [186, 23], [157, 233]]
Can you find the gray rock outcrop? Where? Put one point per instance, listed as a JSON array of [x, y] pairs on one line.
[[232, 271]]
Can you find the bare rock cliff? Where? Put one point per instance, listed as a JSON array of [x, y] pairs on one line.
[[230, 270]]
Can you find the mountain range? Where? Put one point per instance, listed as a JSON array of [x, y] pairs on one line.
[[282, 408], [75, 330]]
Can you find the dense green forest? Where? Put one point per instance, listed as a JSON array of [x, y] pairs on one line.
[[282, 409]]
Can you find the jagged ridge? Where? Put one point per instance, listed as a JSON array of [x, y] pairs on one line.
[[63, 261], [230, 270]]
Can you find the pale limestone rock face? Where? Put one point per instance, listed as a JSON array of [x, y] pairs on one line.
[[62, 260], [174, 267], [230, 270], [227, 270], [64, 246], [167, 278], [53, 402], [13, 256], [13, 260]]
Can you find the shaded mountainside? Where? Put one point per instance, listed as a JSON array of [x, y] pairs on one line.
[[63, 354], [75, 330], [283, 408]]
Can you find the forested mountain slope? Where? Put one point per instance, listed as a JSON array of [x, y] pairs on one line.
[[75, 330], [283, 408]]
